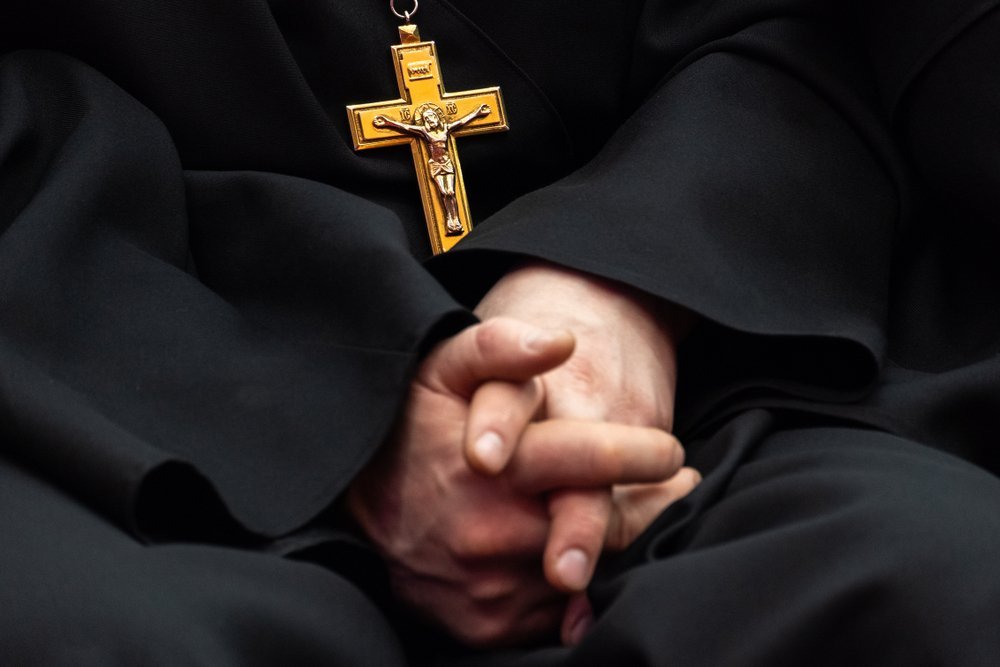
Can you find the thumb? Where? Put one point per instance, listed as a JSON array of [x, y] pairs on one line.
[[497, 349]]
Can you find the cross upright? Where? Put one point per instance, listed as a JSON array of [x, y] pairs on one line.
[[430, 119]]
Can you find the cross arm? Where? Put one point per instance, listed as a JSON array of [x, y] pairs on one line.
[[367, 135]]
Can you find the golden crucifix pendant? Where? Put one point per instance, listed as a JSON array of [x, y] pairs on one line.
[[429, 119]]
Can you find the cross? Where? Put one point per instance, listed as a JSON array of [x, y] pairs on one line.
[[429, 120]]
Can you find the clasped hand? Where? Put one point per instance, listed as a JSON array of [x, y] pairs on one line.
[[510, 474]]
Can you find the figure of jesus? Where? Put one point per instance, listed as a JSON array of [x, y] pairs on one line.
[[431, 125]]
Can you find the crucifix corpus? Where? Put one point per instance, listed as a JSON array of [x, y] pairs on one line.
[[429, 120]]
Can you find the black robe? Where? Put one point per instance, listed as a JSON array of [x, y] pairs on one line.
[[212, 304]]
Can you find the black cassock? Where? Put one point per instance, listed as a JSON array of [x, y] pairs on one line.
[[210, 307]]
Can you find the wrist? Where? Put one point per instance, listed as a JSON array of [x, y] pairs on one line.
[[547, 294]]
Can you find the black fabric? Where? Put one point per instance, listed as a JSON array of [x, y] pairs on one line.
[[823, 545], [79, 591], [717, 192], [280, 297], [139, 328], [212, 304], [942, 383]]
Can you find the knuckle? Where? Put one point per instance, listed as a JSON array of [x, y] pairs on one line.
[[509, 403], [475, 541], [635, 408], [605, 454], [488, 336], [581, 374], [677, 451], [669, 455], [481, 630], [534, 389], [494, 336], [588, 527], [490, 589], [624, 531], [691, 477], [638, 518]]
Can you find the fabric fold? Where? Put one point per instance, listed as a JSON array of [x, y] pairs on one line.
[[745, 195], [269, 372]]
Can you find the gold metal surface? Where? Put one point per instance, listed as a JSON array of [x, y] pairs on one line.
[[429, 120], [409, 34]]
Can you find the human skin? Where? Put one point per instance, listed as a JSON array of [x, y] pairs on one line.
[[463, 548], [468, 565], [623, 370]]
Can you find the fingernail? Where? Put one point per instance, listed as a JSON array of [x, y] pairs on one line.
[[580, 629], [489, 451], [573, 570], [538, 341]]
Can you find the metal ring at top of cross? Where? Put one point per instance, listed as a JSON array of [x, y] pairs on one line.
[[406, 16]]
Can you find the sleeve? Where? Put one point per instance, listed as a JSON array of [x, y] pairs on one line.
[[754, 185], [182, 348], [937, 71]]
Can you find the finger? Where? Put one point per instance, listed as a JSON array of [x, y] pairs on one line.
[[501, 629], [489, 609], [533, 626], [576, 536], [636, 507], [498, 349], [498, 414], [481, 531], [578, 618], [560, 453], [577, 390], [517, 619]]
